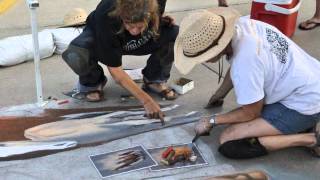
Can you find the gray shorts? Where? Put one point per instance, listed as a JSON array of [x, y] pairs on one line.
[[286, 120]]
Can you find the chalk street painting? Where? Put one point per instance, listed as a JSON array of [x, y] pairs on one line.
[[31, 126]]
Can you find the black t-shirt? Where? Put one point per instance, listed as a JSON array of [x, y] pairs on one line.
[[109, 44]]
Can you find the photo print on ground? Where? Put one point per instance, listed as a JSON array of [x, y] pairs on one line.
[[157, 155], [122, 161]]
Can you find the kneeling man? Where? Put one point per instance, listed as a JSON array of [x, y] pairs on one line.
[[275, 82]]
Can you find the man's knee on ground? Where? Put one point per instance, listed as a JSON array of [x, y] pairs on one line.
[[175, 32], [78, 59], [168, 34], [243, 148], [166, 54]]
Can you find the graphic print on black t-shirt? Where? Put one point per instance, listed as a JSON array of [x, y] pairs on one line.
[[134, 44], [279, 45]]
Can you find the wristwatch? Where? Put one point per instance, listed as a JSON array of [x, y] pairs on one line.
[[213, 120]]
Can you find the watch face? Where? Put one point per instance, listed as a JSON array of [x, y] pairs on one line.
[[212, 120]]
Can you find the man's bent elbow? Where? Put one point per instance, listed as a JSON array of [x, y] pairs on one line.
[[252, 114], [253, 111]]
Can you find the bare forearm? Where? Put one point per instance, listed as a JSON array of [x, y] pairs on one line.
[[234, 116], [242, 114], [123, 79], [135, 90]]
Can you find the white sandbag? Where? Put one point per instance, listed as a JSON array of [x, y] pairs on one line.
[[18, 49], [63, 36]]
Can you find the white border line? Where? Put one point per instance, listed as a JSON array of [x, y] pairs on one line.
[[155, 162], [146, 150], [164, 169]]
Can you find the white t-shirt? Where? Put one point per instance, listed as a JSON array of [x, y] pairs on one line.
[[267, 64]]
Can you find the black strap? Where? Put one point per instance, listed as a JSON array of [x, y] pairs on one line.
[[220, 72]]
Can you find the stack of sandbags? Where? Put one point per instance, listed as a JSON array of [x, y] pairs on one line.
[[18, 49], [63, 36]]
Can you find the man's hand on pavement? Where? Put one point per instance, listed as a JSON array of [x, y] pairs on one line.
[[203, 127], [214, 101], [153, 111]]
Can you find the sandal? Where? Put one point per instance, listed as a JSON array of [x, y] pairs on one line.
[[98, 92], [163, 94], [85, 95], [76, 94], [308, 25]]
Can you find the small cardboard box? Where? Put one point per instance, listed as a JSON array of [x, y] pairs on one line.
[[183, 85]]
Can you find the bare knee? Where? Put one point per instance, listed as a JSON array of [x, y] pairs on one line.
[[255, 128], [229, 134]]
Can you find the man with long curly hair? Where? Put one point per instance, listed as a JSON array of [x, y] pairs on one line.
[[125, 27]]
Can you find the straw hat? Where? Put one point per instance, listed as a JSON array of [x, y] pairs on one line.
[[202, 36], [76, 17]]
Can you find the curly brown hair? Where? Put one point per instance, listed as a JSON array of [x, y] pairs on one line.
[[134, 11]]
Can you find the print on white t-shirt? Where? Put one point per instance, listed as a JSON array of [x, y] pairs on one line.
[[267, 64]]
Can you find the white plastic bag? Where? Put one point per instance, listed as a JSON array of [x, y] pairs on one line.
[[18, 49], [63, 36]]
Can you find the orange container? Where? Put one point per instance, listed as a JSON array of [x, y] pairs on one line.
[[280, 13]]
